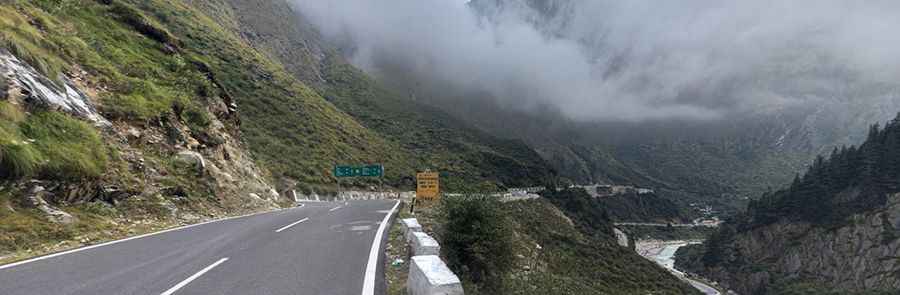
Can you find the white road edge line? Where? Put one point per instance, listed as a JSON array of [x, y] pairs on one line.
[[130, 238], [372, 266], [335, 208], [193, 277], [290, 225]]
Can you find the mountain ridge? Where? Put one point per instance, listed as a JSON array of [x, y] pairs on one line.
[[834, 228]]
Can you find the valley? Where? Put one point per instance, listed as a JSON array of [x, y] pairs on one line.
[[548, 147]]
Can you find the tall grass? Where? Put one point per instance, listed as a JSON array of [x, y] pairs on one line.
[[48, 144], [73, 149], [18, 160]]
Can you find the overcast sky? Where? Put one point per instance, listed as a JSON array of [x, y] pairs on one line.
[[635, 60]]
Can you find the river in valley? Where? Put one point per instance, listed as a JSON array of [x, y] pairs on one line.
[[663, 253]]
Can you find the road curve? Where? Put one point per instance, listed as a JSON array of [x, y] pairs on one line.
[[314, 249]]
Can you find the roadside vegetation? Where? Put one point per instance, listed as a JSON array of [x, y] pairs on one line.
[[529, 247], [476, 237]]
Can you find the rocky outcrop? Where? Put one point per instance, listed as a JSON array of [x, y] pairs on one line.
[[621, 237], [191, 160], [864, 254], [23, 81], [35, 198]]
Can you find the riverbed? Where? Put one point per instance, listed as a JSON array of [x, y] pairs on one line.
[[663, 253]]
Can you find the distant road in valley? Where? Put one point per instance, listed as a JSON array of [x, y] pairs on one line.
[[665, 224]]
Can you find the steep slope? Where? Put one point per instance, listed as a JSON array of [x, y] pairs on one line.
[[578, 253], [112, 125], [287, 125], [431, 138], [833, 229]]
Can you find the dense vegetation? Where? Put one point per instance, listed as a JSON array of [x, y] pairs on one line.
[[851, 180], [477, 239], [650, 207], [586, 212]]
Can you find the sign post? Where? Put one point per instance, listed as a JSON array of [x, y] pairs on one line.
[[344, 171], [427, 185]]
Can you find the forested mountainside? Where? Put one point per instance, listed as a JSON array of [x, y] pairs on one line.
[[835, 229]]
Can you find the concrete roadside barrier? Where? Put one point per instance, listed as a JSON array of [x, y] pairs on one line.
[[423, 244], [428, 275], [410, 225]]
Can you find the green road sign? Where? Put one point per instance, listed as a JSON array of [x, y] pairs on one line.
[[355, 171]]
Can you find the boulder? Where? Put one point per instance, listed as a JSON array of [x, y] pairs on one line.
[[133, 134], [428, 275], [192, 160], [423, 244], [621, 237], [35, 198]]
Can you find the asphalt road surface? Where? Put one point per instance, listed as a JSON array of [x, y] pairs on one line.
[[319, 248]]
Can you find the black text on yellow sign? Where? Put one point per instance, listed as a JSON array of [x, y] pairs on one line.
[[427, 185]]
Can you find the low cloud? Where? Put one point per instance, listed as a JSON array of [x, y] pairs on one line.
[[606, 60]]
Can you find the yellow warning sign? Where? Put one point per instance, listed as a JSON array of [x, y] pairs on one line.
[[427, 185]]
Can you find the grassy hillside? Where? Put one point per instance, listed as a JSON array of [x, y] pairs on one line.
[[287, 125], [430, 138], [158, 57], [583, 258]]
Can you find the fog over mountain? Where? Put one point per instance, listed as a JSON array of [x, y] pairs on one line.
[[596, 60]]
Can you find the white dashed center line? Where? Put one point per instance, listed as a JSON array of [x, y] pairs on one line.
[[335, 208], [193, 277], [290, 225]]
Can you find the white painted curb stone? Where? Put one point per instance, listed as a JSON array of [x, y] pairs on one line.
[[428, 275], [423, 244]]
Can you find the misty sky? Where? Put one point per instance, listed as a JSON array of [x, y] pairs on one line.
[[632, 60]]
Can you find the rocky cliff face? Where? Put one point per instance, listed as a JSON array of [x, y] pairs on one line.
[[863, 255]]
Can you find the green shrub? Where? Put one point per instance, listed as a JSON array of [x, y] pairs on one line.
[[196, 118], [477, 239]]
